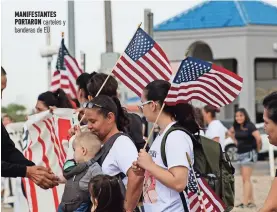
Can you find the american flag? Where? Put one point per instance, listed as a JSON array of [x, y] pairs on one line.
[[67, 71], [210, 200], [204, 81], [142, 62]]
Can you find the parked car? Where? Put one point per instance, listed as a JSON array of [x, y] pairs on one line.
[[231, 149]]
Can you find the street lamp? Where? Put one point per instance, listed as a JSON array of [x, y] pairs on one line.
[[48, 52]]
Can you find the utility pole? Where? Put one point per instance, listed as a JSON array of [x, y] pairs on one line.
[[83, 61], [71, 27], [108, 26], [148, 27]]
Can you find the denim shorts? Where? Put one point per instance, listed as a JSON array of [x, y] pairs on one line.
[[248, 158]]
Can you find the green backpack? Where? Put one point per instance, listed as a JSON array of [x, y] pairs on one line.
[[211, 163]]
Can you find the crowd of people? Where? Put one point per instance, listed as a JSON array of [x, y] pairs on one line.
[[112, 170]]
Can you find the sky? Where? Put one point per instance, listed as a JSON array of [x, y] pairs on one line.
[[20, 53]]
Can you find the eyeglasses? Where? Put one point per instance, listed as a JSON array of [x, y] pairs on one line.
[[143, 104]]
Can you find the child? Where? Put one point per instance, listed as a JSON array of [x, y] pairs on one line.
[[78, 173], [105, 194]]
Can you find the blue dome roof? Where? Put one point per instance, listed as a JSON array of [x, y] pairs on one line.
[[218, 14]]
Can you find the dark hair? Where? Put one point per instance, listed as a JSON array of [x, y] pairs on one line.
[[3, 72], [236, 125], [83, 80], [199, 117], [112, 104], [182, 112], [212, 110], [97, 80], [270, 103], [57, 98], [106, 190]]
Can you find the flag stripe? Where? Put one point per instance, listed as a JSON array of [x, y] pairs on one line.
[[151, 62], [159, 63], [197, 86], [232, 74], [131, 74], [62, 154], [58, 140], [229, 84], [134, 87], [193, 93], [53, 141], [148, 75], [160, 54], [211, 195], [46, 161], [136, 70]]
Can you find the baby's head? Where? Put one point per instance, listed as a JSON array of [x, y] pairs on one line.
[[106, 194], [86, 145]]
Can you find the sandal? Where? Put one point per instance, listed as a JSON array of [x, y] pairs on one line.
[[251, 205], [241, 205]]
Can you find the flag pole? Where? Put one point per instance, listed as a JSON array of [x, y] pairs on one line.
[[107, 78], [163, 105], [203, 207]]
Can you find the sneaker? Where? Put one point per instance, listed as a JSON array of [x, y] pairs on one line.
[[241, 205], [251, 205]]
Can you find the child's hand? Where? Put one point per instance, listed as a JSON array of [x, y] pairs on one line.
[[61, 180]]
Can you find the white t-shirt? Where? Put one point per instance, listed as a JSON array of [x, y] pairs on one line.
[[216, 129], [120, 158], [158, 197]]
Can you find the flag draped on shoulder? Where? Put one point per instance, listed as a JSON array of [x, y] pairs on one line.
[[142, 62], [67, 71], [203, 81]]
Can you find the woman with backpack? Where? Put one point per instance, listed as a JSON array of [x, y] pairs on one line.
[[107, 120], [163, 183], [248, 141]]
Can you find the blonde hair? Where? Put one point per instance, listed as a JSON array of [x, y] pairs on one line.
[[89, 141]]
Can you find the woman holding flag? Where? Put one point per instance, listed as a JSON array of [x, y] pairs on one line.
[[166, 182]]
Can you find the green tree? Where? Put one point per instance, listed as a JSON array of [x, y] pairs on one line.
[[16, 111]]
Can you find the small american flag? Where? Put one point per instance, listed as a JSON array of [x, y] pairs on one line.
[[200, 80], [67, 71], [142, 62], [210, 200]]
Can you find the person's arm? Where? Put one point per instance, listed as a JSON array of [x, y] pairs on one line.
[[133, 191], [231, 133], [124, 162], [271, 203], [174, 178], [12, 170], [257, 136], [10, 154]]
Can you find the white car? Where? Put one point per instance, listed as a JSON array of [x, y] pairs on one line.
[[231, 148]]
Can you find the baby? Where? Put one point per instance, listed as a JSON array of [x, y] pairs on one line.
[[78, 172]]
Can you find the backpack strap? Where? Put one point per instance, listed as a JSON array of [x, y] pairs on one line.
[[171, 129]]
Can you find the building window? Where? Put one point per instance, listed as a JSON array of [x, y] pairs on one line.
[[265, 69]]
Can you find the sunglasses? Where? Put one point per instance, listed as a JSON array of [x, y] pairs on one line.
[[91, 105], [143, 104]]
